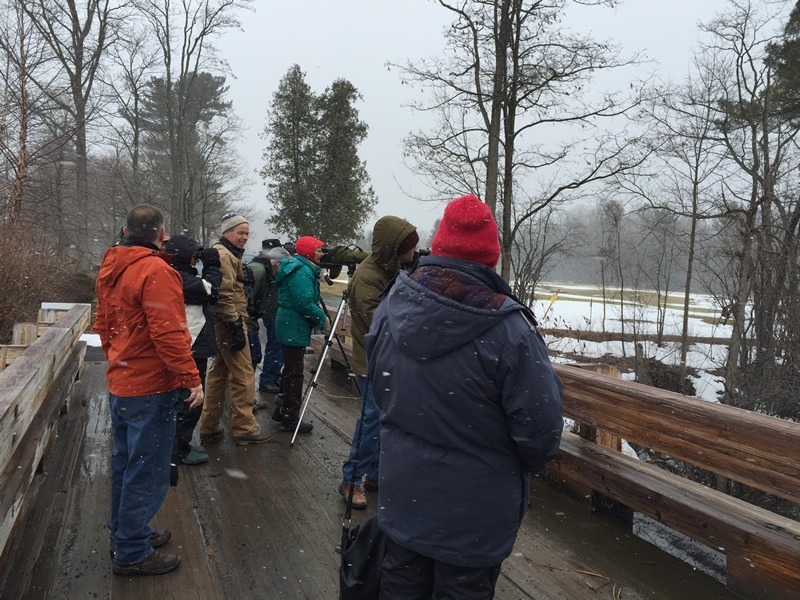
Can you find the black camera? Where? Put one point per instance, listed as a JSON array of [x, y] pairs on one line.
[[198, 254]]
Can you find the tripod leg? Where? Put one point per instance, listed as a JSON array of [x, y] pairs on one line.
[[313, 383]]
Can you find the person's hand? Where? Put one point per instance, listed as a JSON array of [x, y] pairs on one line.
[[236, 332], [195, 398], [210, 257]]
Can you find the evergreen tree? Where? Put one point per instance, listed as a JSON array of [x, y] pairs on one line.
[[289, 155], [342, 182], [317, 183]]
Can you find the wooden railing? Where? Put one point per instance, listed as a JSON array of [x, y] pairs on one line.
[[37, 373], [762, 549]]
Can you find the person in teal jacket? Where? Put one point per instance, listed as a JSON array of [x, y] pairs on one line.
[[298, 313]]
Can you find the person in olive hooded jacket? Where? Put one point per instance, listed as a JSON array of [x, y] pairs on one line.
[[298, 313], [393, 243]]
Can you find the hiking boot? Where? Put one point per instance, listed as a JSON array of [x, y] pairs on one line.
[[257, 438], [359, 499], [278, 415], [259, 403], [156, 541], [371, 485], [289, 425], [210, 437], [269, 388], [194, 458], [157, 563], [159, 539]]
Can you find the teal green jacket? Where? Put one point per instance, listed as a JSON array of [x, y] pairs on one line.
[[298, 301]]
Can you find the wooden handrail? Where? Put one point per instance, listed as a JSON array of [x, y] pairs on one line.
[[757, 450], [33, 389]]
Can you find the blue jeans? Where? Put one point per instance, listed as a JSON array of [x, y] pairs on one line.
[[255, 347], [144, 429], [273, 356], [370, 452]]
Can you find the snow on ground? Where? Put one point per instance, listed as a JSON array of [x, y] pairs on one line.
[[578, 309]]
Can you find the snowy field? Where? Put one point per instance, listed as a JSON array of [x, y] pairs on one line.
[[580, 307]]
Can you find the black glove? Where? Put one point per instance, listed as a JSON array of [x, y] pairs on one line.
[[210, 257], [235, 330]]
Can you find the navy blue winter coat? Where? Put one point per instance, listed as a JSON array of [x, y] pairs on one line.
[[470, 405]]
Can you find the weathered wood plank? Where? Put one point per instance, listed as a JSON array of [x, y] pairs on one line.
[[18, 472], [25, 383], [751, 536], [24, 334], [754, 449]]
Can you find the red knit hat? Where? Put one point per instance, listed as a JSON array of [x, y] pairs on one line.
[[306, 246], [467, 231]]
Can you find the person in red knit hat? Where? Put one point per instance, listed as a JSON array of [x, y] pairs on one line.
[[467, 231], [298, 313], [470, 406]]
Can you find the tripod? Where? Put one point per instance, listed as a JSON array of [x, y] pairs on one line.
[[340, 313]]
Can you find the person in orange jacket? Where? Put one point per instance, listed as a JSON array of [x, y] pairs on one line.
[[142, 327]]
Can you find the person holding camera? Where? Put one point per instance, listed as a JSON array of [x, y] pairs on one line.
[[470, 407], [232, 363], [298, 313], [393, 243], [142, 327], [199, 296]]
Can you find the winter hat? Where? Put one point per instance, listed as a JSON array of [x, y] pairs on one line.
[[467, 231], [183, 247], [270, 243], [306, 246], [276, 253], [230, 221], [407, 244]]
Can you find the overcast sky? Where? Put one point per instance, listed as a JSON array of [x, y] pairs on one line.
[[354, 39]]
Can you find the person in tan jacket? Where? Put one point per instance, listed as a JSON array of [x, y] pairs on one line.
[[233, 364]]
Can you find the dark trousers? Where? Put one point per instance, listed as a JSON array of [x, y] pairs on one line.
[[407, 575], [187, 419], [292, 380]]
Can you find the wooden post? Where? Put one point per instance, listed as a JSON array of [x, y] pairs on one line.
[[25, 334]]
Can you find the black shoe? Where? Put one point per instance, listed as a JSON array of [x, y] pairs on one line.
[[157, 563], [269, 388], [278, 415], [289, 425]]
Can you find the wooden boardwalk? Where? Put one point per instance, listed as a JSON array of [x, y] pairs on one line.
[[263, 522]]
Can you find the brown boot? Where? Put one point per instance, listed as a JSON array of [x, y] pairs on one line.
[[157, 563], [359, 500]]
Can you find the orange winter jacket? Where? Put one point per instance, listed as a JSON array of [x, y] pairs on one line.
[[142, 323]]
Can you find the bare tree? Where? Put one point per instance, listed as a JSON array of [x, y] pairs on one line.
[[78, 35], [513, 72]]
